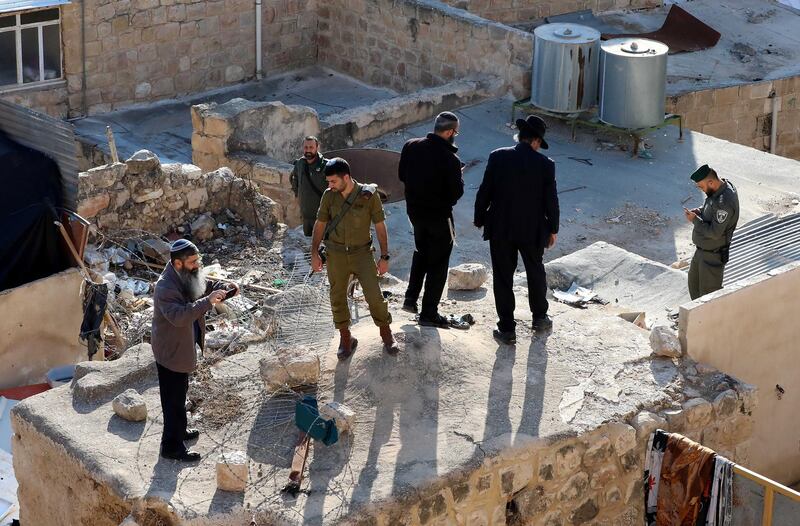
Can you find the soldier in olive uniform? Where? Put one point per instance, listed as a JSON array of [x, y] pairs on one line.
[[714, 224], [348, 249], [308, 181]]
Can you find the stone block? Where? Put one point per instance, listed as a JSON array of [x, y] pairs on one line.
[[234, 73], [664, 342], [142, 161], [344, 416], [468, 276], [516, 477], [156, 249], [217, 126], [698, 412], [726, 96], [103, 176], [574, 488], [267, 174], [91, 206], [756, 91], [130, 405], [598, 452], [567, 459], [202, 227], [623, 437], [290, 367], [646, 423], [232, 471], [725, 403], [210, 145], [148, 195], [675, 419], [587, 511], [196, 198], [190, 171], [97, 381], [603, 476]]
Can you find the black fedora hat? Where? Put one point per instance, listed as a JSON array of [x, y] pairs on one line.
[[535, 126]]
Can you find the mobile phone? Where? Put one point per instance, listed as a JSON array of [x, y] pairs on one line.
[[230, 292]]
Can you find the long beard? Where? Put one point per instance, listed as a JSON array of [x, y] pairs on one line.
[[193, 283]]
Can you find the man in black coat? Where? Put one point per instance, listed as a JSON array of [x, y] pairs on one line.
[[432, 174], [517, 206]]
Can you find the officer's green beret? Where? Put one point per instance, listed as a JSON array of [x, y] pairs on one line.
[[701, 173]]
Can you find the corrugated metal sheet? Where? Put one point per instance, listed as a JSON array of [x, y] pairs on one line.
[[762, 245], [7, 6], [53, 137]]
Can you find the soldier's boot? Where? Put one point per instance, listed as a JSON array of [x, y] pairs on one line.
[[347, 344], [389, 344]]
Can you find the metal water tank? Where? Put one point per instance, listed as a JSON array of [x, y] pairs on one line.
[[565, 60], [633, 77]]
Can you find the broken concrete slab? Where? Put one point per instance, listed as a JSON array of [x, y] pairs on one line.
[[130, 406], [97, 381], [232, 471]]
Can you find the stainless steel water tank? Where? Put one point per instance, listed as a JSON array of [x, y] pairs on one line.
[[633, 76], [565, 60]]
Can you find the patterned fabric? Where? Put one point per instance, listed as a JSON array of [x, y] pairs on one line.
[[654, 456], [720, 509], [684, 490]]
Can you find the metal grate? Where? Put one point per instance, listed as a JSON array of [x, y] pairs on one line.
[[50, 136], [763, 244]]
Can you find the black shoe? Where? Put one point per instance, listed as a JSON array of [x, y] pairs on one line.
[[191, 434], [542, 324], [437, 320], [506, 337], [183, 456], [411, 307]]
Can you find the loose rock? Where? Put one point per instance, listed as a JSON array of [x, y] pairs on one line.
[[290, 368], [344, 416], [130, 405], [469, 276], [664, 342], [203, 227], [232, 471]]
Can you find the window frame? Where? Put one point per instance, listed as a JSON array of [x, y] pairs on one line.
[[17, 29]]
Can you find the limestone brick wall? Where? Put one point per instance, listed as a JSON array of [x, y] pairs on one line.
[[142, 194], [419, 44], [743, 114], [511, 11], [594, 478], [139, 51]]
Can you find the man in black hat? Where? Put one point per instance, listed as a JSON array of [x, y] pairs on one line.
[[181, 299], [432, 174], [714, 224], [517, 206]]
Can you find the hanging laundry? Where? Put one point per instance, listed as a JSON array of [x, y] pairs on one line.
[[720, 508], [652, 473], [684, 489]]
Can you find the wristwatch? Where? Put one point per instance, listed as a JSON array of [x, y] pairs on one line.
[[385, 257]]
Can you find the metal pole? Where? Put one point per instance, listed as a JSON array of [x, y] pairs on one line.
[[259, 71], [773, 136]]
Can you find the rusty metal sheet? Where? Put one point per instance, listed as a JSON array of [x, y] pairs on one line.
[[377, 166], [681, 31]]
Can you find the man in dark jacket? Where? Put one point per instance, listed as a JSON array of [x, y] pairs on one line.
[[431, 171], [517, 206], [308, 182], [180, 302]]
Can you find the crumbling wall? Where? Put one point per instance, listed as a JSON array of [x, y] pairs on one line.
[[143, 194], [510, 11], [147, 50], [39, 327], [747, 329], [420, 44], [743, 114], [257, 140]]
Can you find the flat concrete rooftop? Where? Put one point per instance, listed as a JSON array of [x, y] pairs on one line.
[[165, 127], [759, 42], [634, 203], [445, 402]]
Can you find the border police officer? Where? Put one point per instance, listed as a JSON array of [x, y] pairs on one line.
[[714, 224], [308, 181], [350, 207]]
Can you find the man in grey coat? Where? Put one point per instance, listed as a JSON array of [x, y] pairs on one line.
[[180, 302]]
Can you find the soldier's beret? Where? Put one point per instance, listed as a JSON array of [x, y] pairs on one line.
[[701, 173]]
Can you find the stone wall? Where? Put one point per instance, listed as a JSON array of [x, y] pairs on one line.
[[139, 51], [743, 114], [420, 44], [511, 11], [712, 331], [142, 194]]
